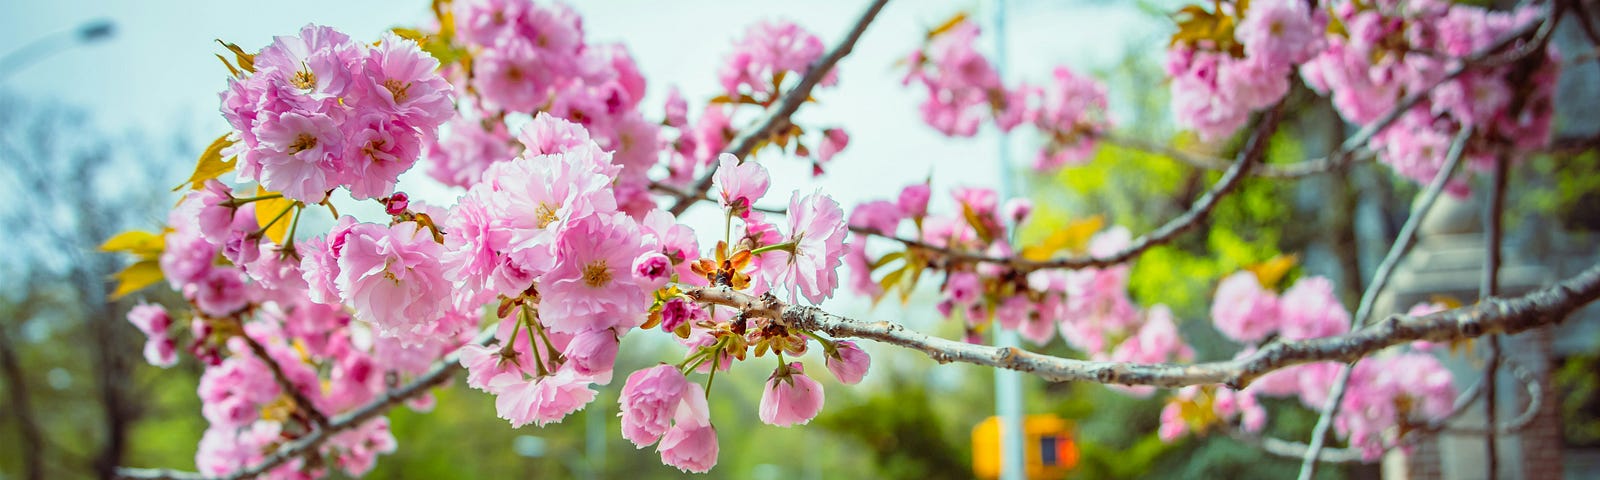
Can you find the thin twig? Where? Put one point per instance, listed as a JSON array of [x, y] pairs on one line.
[[1489, 288], [777, 116], [1305, 168], [1254, 150], [437, 375], [304, 404], [1541, 307], [1293, 449], [1380, 278]]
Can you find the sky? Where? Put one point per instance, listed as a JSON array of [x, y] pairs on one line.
[[158, 75]]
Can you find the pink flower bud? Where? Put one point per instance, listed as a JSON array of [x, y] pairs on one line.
[[152, 319], [654, 268], [848, 362], [791, 398], [396, 204], [914, 200], [592, 352]]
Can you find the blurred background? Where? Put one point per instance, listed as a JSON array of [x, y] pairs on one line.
[[104, 105]]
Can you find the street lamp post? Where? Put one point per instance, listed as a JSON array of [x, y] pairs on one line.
[[91, 32]]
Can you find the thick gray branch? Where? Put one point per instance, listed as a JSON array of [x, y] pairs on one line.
[[1508, 315]]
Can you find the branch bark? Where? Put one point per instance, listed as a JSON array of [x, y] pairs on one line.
[[1539, 308], [289, 388], [777, 116]]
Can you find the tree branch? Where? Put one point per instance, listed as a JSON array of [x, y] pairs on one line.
[[1297, 450], [1489, 288], [289, 388], [1315, 166], [21, 408], [1380, 279], [1542, 307], [1254, 150], [439, 374], [777, 116]]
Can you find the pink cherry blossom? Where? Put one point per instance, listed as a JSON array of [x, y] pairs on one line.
[[739, 184], [791, 398], [592, 285], [483, 364], [913, 200], [460, 157], [150, 318], [1311, 310], [380, 146], [549, 134], [393, 279], [881, 216], [649, 400], [297, 153], [1072, 117], [592, 352], [540, 401], [768, 48], [1280, 32], [816, 227], [848, 362], [404, 82], [1242, 310], [691, 443], [220, 293]]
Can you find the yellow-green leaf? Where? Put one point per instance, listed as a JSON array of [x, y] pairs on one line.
[[410, 34], [948, 24], [232, 70], [1270, 272], [145, 245], [247, 61], [977, 224], [273, 215], [1073, 237], [884, 260], [211, 165], [141, 274]]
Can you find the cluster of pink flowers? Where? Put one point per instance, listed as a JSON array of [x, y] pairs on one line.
[[545, 232], [964, 89], [1246, 312], [768, 52], [1384, 391], [160, 349], [320, 111], [1090, 307], [531, 59], [767, 60], [1390, 49], [1218, 82], [245, 289]]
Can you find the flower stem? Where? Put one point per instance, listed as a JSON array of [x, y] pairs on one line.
[[239, 202], [533, 343], [785, 246], [829, 347], [555, 356], [274, 221]]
